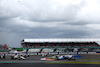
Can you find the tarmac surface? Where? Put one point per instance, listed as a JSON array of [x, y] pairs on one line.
[[87, 57], [34, 61], [46, 65]]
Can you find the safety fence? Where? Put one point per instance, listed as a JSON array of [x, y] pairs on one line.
[[52, 53]]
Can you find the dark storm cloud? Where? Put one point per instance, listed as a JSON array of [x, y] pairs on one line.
[[48, 19]]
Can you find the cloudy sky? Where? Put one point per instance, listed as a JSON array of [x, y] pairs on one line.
[[21, 19]]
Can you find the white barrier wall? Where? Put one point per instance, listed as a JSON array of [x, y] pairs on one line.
[[34, 50], [47, 50]]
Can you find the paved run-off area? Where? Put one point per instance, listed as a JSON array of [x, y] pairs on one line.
[[86, 59], [46, 65]]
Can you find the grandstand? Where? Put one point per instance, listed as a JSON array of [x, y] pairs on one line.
[[62, 45], [3, 48]]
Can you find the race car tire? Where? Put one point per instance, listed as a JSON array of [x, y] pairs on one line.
[[4, 57]]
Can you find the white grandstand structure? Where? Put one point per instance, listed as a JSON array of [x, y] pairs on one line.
[[62, 44], [64, 40]]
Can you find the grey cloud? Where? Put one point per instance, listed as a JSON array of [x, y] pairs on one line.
[[61, 13], [47, 19], [41, 11]]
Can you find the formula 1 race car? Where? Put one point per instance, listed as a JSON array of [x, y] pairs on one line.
[[67, 57], [62, 57], [19, 57], [25, 56], [2, 56]]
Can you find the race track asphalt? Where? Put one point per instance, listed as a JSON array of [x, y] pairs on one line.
[[34, 61], [90, 57], [46, 65]]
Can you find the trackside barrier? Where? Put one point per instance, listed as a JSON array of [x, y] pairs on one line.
[[53, 53]]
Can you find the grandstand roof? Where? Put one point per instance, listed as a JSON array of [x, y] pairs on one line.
[[63, 40]]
